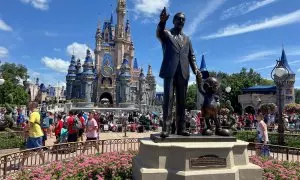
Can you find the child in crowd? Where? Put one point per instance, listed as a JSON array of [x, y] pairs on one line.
[[64, 135]]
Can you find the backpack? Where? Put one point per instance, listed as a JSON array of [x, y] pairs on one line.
[[77, 124]]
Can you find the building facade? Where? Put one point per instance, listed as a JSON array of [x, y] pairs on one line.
[[38, 92], [256, 96], [114, 74]]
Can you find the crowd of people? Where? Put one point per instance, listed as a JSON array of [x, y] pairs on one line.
[[79, 126]]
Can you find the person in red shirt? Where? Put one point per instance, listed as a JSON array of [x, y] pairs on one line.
[[58, 127], [81, 130], [72, 133]]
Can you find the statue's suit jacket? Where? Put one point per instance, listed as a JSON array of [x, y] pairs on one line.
[[175, 52]]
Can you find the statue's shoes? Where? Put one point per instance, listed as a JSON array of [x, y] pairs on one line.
[[184, 133], [207, 132], [164, 134], [223, 132]]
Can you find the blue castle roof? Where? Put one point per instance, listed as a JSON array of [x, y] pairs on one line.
[[142, 76], [88, 58], [125, 61], [260, 89], [203, 64], [285, 62], [127, 27], [43, 88], [73, 61], [88, 72], [135, 64], [125, 75], [72, 68]]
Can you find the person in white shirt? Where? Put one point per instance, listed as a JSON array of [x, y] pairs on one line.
[[262, 130]]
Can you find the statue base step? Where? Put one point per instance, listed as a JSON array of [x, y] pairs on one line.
[[199, 159]]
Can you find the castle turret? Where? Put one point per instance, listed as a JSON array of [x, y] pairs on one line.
[[128, 31], [71, 77], [77, 85], [151, 86], [124, 82], [288, 86], [120, 31], [142, 89], [88, 77]]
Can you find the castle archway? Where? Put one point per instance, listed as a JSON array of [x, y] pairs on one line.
[[106, 97]]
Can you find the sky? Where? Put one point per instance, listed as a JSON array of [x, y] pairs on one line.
[[42, 34]]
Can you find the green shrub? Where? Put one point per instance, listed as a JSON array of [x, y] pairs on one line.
[[11, 140], [291, 140]]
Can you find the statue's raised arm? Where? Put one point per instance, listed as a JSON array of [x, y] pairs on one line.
[[160, 32]]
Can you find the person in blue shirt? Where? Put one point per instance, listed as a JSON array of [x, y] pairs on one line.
[[85, 116], [20, 119]]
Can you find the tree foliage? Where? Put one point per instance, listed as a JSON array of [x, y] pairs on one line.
[[297, 96], [237, 81], [12, 73], [191, 97]]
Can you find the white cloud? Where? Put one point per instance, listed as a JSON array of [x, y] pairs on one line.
[[212, 6], [273, 65], [150, 7], [150, 20], [257, 56], [50, 34], [3, 52], [245, 8], [57, 49], [275, 21], [266, 67], [38, 4], [79, 50], [159, 88], [4, 26], [56, 64], [33, 74]]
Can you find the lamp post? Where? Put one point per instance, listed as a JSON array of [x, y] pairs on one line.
[[1, 78], [280, 74]]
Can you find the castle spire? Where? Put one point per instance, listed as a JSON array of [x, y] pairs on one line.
[[149, 73], [127, 27], [135, 64], [203, 64], [111, 18], [285, 62]]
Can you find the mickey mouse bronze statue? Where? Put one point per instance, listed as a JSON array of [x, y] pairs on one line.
[[209, 88]]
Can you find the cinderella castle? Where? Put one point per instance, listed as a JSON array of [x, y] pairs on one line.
[[114, 75]]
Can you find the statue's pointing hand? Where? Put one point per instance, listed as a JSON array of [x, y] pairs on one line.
[[164, 16]]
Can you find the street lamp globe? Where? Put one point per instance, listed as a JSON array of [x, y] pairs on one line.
[[1, 81], [280, 72], [228, 89]]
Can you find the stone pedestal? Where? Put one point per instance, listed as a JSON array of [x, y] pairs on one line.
[[205, 158]]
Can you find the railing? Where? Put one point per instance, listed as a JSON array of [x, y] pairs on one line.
[[13, 139], [282, 153], [11, 163]]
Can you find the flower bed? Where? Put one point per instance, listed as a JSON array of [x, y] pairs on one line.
[[277, 170], [118, 166], [112, 166]]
